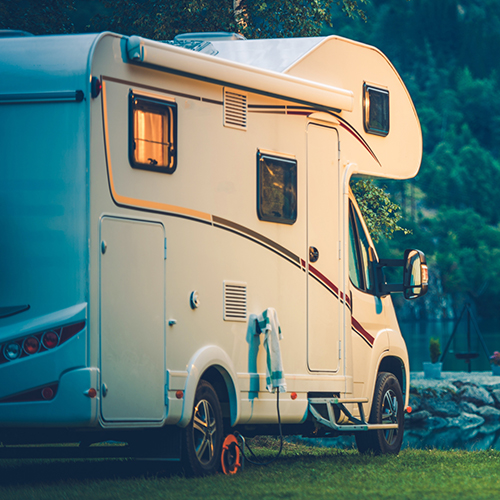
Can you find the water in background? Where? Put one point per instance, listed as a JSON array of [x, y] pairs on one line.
[[418, 334]]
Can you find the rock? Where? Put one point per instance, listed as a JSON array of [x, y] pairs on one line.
[[444, 439], [495, 394], [489, 413], [445, 409], [489, 428], [469, 434], [468, 407], [434, 423], [466, 421], [477, 395], [417, 418], [490, 387], [482, 443]]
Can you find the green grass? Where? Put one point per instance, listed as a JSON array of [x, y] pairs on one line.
[[301, 473]]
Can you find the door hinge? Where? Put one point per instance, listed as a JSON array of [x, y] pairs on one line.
[[165, 250], [340, 250], [340, 349]]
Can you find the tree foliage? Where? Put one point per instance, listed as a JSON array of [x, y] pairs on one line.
[[445, 53], [37, 17], [380, 213], [162, 20]]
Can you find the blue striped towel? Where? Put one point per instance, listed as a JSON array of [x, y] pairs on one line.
[[269, 325]]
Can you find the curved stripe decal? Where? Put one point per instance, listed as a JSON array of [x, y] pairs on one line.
[[306, 111], [367, 337], [219, 222], [135, 202]]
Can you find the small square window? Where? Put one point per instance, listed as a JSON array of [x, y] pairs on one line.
[[376, 110], [153, 133], [276, 189]]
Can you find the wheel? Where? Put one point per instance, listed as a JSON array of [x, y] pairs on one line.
[[202, 438], [387, 407]]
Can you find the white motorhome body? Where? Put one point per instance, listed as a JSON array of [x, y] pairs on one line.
[[156, 200]]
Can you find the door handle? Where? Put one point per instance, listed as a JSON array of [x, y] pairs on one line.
[[313, 254]]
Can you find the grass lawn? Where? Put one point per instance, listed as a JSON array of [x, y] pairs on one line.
[[301, 472]]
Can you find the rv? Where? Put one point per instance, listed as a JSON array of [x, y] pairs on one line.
[[180, 244]]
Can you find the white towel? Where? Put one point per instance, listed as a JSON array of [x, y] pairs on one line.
[[269, 325]]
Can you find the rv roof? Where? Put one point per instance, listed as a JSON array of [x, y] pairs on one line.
[[271, 54]]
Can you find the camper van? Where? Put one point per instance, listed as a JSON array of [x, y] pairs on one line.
[[181, 255]]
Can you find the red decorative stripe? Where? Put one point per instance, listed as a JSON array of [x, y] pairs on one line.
[[353, 132], [359, 329], [324, 279]]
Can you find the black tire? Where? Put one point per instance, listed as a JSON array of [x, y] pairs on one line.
[[387, 407], [202, 438]]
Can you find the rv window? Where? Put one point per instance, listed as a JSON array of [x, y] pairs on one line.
[[276, 189], [152, 126], [360, 266], [376, 110]]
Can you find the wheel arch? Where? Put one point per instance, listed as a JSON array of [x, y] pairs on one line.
[[396, 366], [212, 364]]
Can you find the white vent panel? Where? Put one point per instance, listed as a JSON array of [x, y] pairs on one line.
[[235, 301], [235, 110]]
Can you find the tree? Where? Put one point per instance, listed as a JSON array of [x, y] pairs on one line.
[[162, 20], [250, 18], [380, 213], [37, 17]]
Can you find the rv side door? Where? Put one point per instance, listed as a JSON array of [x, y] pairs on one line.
[[324, 318]]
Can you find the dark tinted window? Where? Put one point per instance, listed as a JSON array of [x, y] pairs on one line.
[[376, 110], [276, 189]]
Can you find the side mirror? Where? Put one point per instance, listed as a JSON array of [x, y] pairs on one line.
[[415, 274]]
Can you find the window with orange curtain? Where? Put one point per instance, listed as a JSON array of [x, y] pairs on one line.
[[153, 133]]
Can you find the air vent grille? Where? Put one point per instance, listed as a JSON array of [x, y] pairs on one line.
[[235, 110], [235, 301]]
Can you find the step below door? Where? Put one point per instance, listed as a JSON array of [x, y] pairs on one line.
[[132, 320]]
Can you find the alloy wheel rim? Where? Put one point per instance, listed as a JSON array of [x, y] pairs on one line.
[[204, 429], [390, 408]]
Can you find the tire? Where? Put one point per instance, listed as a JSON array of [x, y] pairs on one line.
[[202, 438], [387, 407]]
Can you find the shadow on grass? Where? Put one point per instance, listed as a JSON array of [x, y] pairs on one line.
[[35, 472]]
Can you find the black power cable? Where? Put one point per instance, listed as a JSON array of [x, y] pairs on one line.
[[245, 444]]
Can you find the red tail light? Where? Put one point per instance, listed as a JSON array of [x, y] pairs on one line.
[[47, 393], [31, 345], [50, 339]]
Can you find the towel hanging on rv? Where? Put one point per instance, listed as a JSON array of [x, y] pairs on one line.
[[269, 325]]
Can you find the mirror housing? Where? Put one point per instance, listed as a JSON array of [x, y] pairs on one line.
[[415, 274]]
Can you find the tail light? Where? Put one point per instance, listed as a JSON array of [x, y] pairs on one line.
[[31, 345], [50, 339], [38, 342], [11, 351]]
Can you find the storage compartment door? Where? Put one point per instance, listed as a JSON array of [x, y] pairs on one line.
[[132, 320]]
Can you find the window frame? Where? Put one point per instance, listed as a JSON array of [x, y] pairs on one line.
[[364, 267], [155, 104], [369, 128], [261, 155]]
